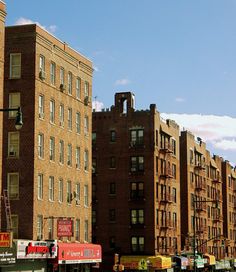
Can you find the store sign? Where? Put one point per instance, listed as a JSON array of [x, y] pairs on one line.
[[70, 253], [7, 256], [64, 227], [27, 249], [5, 239], [134, 262]]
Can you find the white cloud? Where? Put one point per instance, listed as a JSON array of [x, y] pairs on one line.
[[123, 81], [219, 131], [179, 99], [25, 21], [95, 68], [97, 105]]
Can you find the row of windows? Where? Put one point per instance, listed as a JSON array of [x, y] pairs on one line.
[[15, 73], [61, 151]]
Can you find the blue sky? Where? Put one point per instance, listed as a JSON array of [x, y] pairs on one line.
[[180, 55]]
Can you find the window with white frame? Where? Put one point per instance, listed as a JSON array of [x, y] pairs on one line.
[[42, 64], [50, 228], [137, 244], [39, 227], [40, 186], [70, 118], [52, 149], [68, 192], [14, 223], [77, 157], [62, 76], [61, 151], [86, 125], [13, 185], [86, 201], [86, 160], [61, 115], [70, 83], [86, 231], [41, 145], [41, 106], [51, 188], [69, 155], [14, 103], [78, 88], [77, 192], [60, 190], [15, 65], [78, 122], [77, 229], [86, 89], [53, 73], [52, 111], [13, 144]]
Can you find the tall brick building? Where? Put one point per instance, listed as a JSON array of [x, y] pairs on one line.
[[136, 185], [47, 163]]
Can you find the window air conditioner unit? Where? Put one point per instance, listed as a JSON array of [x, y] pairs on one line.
[[12, 153], [41, 115], [42, 75], [61, 123], [86, 100], [62, 87]]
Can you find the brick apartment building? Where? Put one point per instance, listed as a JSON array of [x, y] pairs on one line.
[[136, 185], [47, 164]]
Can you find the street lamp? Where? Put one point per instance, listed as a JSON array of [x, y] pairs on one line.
[[18, 120], [194, 225]]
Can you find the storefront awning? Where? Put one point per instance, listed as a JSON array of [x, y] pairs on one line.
[[211, 260], [160, 262], [69, 253]]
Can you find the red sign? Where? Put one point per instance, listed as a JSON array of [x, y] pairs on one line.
[[64, 228], [79, 253], [5, 239]]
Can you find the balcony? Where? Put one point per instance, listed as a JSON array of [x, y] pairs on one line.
[[216, 179], [166, 173], [201, 207], [167, 198], [217, 218], [200, 165], [200, 185], [166, 224], [166, 148], [165, 250], [201, 229]]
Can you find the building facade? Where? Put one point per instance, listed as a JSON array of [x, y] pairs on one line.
[[136, 188], [46, 164]]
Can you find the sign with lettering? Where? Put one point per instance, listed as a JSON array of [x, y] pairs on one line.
[[64, 227], [7, 256], [70, 253], [5, 239], [27, 249]]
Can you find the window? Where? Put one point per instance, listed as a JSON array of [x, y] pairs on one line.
[[94, 165], [112, 136], [52, 149], [174, 195], [86, 160], [86, 200], [51, 188], [41, 145], [15, 65], [137, 244], [61, 115], [53, 73], [86, 125], [137, 216], [40, 186], [137, 191], [94, 217], [112, 242], [77, 157], [174, 171], [112, 215], [137, 164], [13, 185], [78, 88], [41, 106], [86, 89], [191, 156], [61, 151], [173, 143], [42, 66], [112, 162], [112, 188], [13, 144], [14, 222], [77, 193], [39, 227], [77, 229], [136, 137], [174, 220], [70, 118], [68, 192], [60, 190], [14, 103], [62, 77], [69, 155], [94, 138], [52, 111], [86, 236], [50, 228], [77, 122], [70, 83]]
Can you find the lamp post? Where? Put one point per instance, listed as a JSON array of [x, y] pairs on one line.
[[194, 226], [18, 120]]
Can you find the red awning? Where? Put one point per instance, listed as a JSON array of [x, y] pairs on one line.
[[79, 253]]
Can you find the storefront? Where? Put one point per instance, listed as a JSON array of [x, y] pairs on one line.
[[160, 263], [134, 263], [199, 261], [180, 263], [222, 265], [76, 257]]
